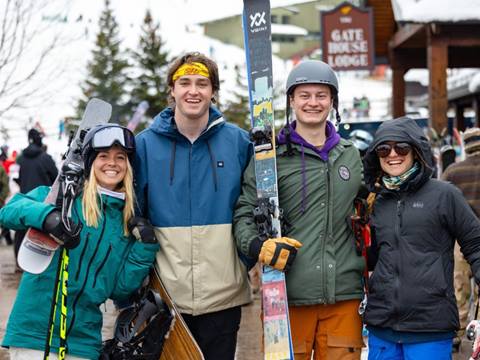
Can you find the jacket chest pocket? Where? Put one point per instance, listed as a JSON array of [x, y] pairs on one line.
[[107, 266]]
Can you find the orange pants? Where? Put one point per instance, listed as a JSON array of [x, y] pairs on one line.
[[331, 331]]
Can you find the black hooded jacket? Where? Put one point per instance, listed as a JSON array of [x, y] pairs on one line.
[[36, 168], [413, 235]]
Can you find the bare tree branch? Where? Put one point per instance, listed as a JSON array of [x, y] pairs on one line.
[[28, 41]]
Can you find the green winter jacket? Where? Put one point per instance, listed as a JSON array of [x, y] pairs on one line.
[[326, 268], [105, 265]]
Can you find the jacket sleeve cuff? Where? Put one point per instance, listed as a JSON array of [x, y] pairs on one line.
[[255, 247]]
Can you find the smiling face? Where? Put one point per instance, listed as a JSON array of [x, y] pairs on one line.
[[311, 103], [110, 167], [395, 164], [192, 94]]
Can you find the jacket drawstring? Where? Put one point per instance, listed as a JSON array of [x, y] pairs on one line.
[[212, 162], [304, 183], [172, 160]]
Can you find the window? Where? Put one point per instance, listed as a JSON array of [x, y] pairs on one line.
[[274, 19], [285, 19]]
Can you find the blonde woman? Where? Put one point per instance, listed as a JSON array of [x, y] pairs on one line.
[[105, 260]]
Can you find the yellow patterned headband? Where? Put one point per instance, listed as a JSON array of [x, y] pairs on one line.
[[194, 68]]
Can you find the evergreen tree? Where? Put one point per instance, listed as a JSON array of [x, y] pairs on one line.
[[152, 62], [238, 110], [107, 76]]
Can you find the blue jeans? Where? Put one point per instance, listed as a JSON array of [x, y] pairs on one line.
[[379, 349]]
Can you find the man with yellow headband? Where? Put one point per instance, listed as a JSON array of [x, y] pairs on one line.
[[189, 168]]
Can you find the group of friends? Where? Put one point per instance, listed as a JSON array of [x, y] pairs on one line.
[[187, 184]]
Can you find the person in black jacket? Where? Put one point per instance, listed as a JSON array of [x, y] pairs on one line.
[[36, 168], [411, 311]]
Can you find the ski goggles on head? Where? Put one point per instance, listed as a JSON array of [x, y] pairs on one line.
[[114, 135], [401, 148]]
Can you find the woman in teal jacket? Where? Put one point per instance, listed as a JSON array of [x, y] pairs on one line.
[[107, 263]]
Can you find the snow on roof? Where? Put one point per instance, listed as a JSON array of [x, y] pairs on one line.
[[474, 85], [424, 11], [284, 29], [235, 8]]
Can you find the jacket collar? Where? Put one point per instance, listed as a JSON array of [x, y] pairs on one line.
[[164, 123]]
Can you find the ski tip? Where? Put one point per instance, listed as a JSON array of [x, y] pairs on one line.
[[97, 109]]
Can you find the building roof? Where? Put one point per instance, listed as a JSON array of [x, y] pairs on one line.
[[235, 8], [285, 29], [425, 11]]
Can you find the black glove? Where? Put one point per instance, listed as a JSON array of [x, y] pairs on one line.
[[54, 226], [142, 230]]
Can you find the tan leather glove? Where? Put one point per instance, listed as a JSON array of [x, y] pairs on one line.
[[279, 253]]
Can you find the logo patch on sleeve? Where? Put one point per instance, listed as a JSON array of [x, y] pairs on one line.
[[344, 172]]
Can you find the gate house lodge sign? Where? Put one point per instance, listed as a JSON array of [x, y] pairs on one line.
[[347, 37]]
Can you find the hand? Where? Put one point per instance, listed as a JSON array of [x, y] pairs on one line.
[[142, 230], [473, 334], [54, 225], [279, 253]]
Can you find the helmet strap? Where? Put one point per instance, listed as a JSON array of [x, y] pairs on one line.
[[337, 114], [287, 129]]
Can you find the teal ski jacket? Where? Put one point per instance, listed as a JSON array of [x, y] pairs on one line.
[[105, 265]]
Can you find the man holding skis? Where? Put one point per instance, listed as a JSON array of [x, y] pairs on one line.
[[188, 178], [319, 175]]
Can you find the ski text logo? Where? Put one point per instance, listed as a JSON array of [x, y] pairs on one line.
[[256, 20]]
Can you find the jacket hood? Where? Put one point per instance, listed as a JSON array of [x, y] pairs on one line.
[[164, 123], [402, 129], [332, 139], [32, 151]]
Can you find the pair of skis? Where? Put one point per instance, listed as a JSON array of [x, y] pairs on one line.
[[257, 37]]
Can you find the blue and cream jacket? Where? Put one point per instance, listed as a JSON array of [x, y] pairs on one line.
[[188, 191]]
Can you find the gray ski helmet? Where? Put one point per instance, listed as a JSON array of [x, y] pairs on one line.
[[361, 139], [312, 72], [103, 137]]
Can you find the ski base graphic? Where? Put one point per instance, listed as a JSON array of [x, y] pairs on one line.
[[257, 35]]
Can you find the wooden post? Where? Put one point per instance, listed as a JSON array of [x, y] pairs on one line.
[[437, 60], [398, 92], [459, 118], [476, 109]]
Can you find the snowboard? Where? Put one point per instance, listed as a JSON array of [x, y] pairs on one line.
[[96, 112], [180, 343], [137, 116], [257, 39]]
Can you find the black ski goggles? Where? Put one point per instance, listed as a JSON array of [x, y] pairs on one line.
[[109, 136], [401, 148]]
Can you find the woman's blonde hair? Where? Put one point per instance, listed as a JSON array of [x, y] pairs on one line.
[[92, 201]]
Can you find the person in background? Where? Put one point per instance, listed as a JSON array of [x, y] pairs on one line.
[[466, 176], [36, 168]]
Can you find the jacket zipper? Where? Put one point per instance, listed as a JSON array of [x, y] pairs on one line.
[[101, 265], [325, 238], [80, 262], [87, 272], [398, 222], [191, 222]]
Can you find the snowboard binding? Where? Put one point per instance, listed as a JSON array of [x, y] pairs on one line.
[[140, 330]]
